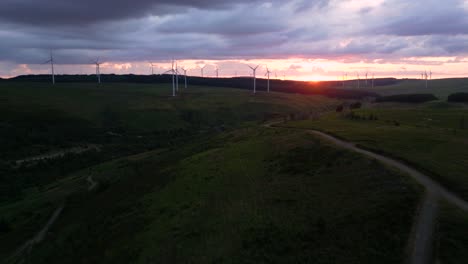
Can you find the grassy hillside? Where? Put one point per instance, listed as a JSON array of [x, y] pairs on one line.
[[255, 195], [44, 116], [452, 235], [118, 120], [431, 137], [441, 88]]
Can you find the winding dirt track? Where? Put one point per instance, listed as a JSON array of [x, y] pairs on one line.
[[430, 185], [423, 229]]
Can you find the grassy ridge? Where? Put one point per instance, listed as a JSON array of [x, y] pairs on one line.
[[248, 196]]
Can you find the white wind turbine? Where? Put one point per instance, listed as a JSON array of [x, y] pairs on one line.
[[202, 69], [217, 72], [173, 72], [426, 77], [98, 70], [367, 73], [51, 61], [185, 75], [152, 68], [254, 71], [268, 72]]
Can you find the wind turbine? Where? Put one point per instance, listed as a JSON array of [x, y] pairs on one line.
[[51, 61], [254, 71], [268, 74], [98, 70], [217, 72], [201, 69], [177, 77], [173, 72], [366, 77], [185, 75], [426, 76], [152, 68]]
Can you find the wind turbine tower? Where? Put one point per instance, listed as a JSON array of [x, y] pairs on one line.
[[185, 76], [217, 72], [152, 68], [51, 61], [173, 79], [98, 70], [268, 72], [177, 77], [367, 73], [254, 71], [202, 69], [426, 76]]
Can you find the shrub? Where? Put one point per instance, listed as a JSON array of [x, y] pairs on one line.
[[407, 98], [339, 108]]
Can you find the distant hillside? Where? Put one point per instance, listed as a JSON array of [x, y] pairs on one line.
[[330, 88]]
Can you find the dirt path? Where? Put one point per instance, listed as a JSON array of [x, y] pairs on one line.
[[58, 154], [430, 185], [27, 246], [423, 229]]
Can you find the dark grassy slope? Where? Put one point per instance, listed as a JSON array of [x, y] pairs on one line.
[[40, 115], [452, 235], [121, 119], [255, 195]]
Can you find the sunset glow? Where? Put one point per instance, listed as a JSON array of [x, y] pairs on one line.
[[311, 41]]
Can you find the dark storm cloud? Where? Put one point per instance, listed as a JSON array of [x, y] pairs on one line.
[[124, 31], [245, 20], [83, 12], [430, 17]]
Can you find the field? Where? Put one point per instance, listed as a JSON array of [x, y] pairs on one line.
[[195, 178]]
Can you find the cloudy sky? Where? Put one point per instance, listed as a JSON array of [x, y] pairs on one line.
[[298, 39]]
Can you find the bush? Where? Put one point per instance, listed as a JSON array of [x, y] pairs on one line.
[[458, 97], [407, 98], [339, 109]]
